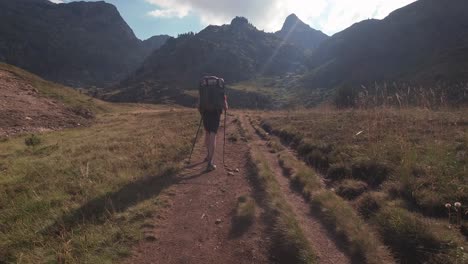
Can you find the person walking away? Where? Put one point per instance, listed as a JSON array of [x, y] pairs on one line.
[[212, 102]]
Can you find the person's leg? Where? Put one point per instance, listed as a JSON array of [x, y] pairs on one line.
[[214, 119], [207, 145], [212, 147]]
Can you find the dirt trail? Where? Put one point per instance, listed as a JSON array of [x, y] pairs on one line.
[[321, 241], [188, 231]]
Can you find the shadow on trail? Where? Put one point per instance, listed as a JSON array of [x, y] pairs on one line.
[[97, 210], [191, 166], [239, 225]]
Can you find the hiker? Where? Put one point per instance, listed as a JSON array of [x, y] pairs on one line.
[[212, 102]]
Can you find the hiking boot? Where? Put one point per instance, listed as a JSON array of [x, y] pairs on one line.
[[211, 167]]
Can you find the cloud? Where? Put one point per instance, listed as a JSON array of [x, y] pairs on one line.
[[57, 1], [329, 16]]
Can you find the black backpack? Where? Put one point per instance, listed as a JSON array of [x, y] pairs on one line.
[[212, 94]]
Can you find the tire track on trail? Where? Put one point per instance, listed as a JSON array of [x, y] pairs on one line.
[[324, 245], [198, 226]]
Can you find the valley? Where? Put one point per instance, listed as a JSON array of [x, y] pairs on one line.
[[344, 148]]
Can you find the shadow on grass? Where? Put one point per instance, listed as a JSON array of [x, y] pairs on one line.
[[97, 210]]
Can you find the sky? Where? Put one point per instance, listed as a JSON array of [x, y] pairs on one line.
[[155, 17]]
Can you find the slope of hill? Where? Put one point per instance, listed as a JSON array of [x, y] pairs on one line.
[[78, 44], [153, 43], [237, 52], [28, 103], [297, 32], [424, 42]]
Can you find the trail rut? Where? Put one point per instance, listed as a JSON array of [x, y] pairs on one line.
[[319, 238]]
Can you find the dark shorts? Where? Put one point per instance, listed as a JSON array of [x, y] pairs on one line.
[[211, 120]]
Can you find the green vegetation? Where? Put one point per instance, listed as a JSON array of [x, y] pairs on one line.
[[82, 194], [275, 93], [404, 163], [32, 141], [335, 213], [289, 243], [351, 189], [415, 240]]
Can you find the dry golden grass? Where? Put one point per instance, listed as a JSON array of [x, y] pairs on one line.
[[336, 214], [81, 195], [416, 158], [289, 241]]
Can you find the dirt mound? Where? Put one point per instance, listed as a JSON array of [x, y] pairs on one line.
[[23, 108]]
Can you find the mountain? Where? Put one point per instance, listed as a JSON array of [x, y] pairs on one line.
[[297, 32], [425, 42], [153, 43], [78, 44], [237, 52]]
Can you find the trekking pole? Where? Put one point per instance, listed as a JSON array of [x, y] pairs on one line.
[[224, 144], [195, 140]]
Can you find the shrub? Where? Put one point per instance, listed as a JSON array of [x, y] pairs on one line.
[[370, 171], [83, 112], [290, 137], [351, 189], [338, 172], [429, 201], [369, 204], [32, 141]]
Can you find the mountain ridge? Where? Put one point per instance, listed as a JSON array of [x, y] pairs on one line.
[[405, 46], [237, 51], [299, 33], [74, 43]]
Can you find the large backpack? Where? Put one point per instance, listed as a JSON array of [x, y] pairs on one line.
[[212, 94]]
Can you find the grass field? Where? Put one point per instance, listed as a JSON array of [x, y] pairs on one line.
[[276, 93], [397, 168], [81, 195]]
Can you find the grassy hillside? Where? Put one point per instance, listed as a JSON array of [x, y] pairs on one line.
[[70, 97], [398, 168], [424, 43], [81, 195]]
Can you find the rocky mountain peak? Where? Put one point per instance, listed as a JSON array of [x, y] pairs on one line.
[[294, 23], [299, 33], [240, 22]]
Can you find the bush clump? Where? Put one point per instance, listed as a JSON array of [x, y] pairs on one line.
[[370, 171], [338, 171], [351, 189], [369, 204], [32, 141]]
